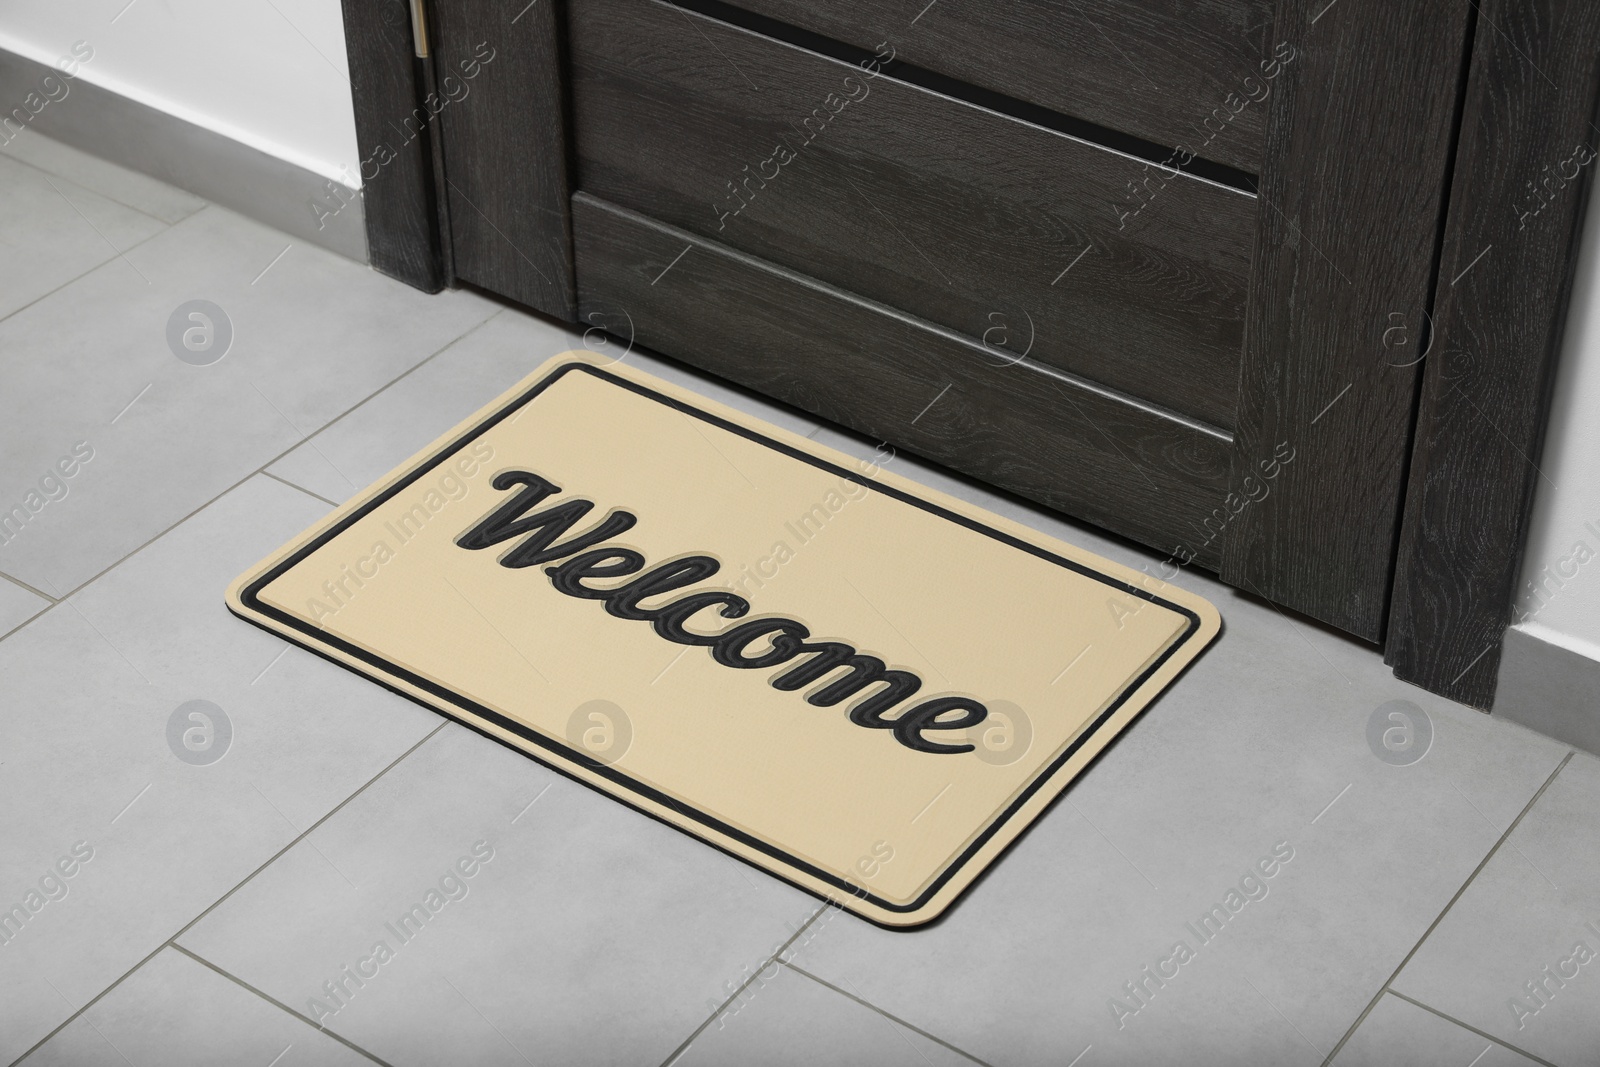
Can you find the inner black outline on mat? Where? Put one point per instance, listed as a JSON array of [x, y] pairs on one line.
[[250, 597]]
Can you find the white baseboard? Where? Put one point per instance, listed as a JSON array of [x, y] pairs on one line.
[[1549, 688], [208, 164]]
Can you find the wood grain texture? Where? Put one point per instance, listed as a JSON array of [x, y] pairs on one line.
[[1517, 202], [1153, 68], [1019, 425], [1358, 143], [403, 240], [1001, 230], [505, 150]]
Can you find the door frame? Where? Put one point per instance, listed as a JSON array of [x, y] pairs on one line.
[[1498, 324], [1436, 589], [396, 160], [1353, 190]]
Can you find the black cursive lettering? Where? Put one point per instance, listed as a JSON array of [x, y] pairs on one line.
[[583, 559]]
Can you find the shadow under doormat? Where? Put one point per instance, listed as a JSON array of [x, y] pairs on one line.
[[854, 682]]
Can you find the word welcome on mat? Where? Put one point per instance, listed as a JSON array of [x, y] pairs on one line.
[[873, 712]]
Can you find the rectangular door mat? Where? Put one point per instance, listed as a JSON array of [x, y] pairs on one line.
[[861, 685]]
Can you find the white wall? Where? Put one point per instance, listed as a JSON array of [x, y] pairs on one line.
[[1563, 558], [270, 73]]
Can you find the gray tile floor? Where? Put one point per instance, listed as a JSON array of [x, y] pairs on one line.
[[1442, 910]]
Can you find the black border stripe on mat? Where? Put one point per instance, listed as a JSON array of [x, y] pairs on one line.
[[250, 597]]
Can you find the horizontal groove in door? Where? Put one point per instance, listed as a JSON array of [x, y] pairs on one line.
[[1080, 450], [1027, 240], [1163, 155], [1156, 69]]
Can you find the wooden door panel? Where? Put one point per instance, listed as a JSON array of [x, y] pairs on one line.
[[1156, 69], [984, 224], [1016, 424]]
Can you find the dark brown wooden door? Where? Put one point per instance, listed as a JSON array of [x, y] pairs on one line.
[[1160, 265]]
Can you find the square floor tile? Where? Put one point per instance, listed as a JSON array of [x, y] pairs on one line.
[[168, 804], [148, 436], [1518, 956], [1397, 1031], [53, 230], [474, 907], [177, 1012], [785, 1018]]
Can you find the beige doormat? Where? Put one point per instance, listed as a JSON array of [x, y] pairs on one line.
[[861, 685]]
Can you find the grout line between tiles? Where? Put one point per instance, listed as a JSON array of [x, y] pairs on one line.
[[242, 984], [774, 959], [29, 588], [1452, 903], [1468, 1026], [300, 488], [91, 270], [173, 940], [892, 1018], [259, 470], [364, 401], [49, 603], [21, 624]]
